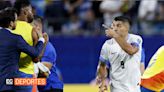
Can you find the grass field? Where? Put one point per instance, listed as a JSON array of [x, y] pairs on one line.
[[80, 88]]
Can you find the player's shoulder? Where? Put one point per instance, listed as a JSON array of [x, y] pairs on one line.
[[161, 48], [24, 23], [109, 41], [50, 48], [49, 45], [134, 36]]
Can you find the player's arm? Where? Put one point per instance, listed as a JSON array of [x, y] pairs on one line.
[[128, 48], [102, 70], [115, 32], [35, 39], [45, 64], [102, 73], [142, 68], [48, 59], [34, 36], [34, 52], [103, 59]]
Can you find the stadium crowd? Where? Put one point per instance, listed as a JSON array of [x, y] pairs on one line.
[[85, 17]]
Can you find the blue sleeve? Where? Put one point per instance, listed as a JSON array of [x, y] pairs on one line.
[[103, 55], [137, 42], [49, 54], [23, 46]]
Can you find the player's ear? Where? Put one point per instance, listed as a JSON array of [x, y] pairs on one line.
[[11, 24]]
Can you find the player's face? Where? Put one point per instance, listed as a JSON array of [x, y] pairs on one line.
[[30, 16], [37, 24], [121, 27]]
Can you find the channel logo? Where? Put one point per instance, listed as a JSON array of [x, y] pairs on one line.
[[26, 81]]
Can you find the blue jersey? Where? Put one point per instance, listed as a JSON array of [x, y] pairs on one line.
[[53, 80]]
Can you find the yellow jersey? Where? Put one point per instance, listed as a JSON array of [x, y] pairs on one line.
[[153, 77], [25, 30]]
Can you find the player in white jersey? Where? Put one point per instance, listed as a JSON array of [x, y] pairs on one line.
[[123, 52]]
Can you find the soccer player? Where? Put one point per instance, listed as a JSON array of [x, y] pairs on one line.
[[28, 32], [123, 52], [54, 84], [11, 45], [153, 77]]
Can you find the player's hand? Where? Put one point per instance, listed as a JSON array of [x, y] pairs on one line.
[[102, 84], [39, 31], [111, 32], [98, 80], [46, 37]]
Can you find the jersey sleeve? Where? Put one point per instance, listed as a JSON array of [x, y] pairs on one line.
[[49, 54], [137, 42], [104, 54]]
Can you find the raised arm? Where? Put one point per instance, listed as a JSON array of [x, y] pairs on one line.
[[130, 48], [127, 47]]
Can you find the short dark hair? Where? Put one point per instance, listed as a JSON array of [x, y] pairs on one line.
[[19, 4], [6, 16], [123, 19]]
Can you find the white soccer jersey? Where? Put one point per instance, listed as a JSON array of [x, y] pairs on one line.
[[124, 68]]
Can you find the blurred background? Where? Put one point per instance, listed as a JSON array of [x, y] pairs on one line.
[[75, 29]]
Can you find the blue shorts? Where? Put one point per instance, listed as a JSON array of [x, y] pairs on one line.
[[147, 90], [24, 88]]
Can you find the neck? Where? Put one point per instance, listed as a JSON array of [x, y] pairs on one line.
[[22, 18], [125, 36]]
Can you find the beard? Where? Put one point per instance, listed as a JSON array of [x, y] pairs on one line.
[[30, 19], [13, 28]]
